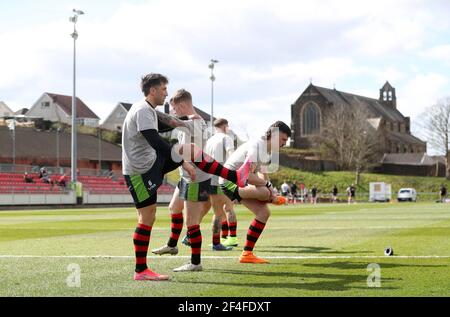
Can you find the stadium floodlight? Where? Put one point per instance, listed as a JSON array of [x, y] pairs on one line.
[[213, 78], [74, 156]]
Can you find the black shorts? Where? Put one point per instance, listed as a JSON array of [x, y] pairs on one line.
[[194, 191], [216, 190], [144, 187], [231, 190]]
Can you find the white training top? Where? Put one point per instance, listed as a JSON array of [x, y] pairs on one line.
[[218, 147], [256, 149], [195, 132], [137, 155]]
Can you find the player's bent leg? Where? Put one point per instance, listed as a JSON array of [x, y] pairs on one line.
[[256, 228], [193, 153], [258, 208], [262, 194], [253, 192]]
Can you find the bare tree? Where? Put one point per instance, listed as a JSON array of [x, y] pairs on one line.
[[349, 139], [436, 126]]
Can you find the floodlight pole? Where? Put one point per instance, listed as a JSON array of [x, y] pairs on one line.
[[57, 147], [99, 151], [74, 156], [14, 145]]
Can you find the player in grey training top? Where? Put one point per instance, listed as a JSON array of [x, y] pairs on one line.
[[146, 158], [137, 156]]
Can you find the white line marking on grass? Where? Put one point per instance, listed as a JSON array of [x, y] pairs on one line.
[[358, 228], [306, 257]]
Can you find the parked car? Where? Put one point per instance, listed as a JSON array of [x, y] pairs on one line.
[[407, 194]]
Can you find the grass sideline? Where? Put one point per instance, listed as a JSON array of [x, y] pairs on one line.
[[321, 250]]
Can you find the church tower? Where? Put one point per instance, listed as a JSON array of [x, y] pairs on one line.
[[387, 95]]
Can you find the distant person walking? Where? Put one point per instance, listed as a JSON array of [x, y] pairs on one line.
[[443, 193], [314, 195], [294, 192], [351, 192], [334, 194]]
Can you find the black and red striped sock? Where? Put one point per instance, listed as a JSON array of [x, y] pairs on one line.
[[176, 226], [233, 229], [195, 238], [209, 165], [224, 229], [141, 240], [254, 231]]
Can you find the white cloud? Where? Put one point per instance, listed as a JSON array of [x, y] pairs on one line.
[[421, 92], [390, 73], [252, 118], [439, 53], [381, 36]]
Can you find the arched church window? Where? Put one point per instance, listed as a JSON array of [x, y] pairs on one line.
[[310, 119]]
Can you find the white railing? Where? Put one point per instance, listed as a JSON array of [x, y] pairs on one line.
[[66, 198]]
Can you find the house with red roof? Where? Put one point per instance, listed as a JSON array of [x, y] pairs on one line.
[[58, 108]]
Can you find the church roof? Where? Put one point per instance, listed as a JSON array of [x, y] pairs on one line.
[[404, 138], [376, 107], [408, 159]]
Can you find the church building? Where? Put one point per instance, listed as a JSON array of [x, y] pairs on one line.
[[310, 109]]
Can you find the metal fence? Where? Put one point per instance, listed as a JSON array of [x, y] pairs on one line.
[[52, 170], [364, 197]]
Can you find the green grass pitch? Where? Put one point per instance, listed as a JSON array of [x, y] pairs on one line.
[[321, 250]]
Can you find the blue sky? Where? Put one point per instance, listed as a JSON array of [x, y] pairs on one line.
[[268, 52]]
